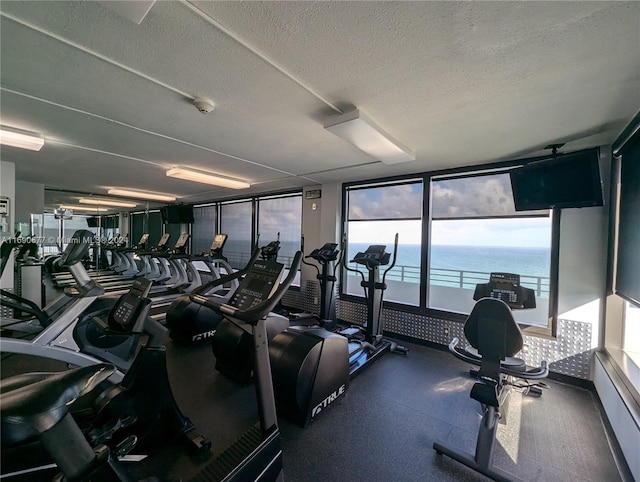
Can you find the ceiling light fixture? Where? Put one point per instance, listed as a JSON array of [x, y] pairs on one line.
[[356, 128], [106, 202], [83, 208], [17, 139], [206, 178], [152, 196]]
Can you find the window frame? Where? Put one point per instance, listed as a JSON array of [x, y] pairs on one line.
[[548, 331]]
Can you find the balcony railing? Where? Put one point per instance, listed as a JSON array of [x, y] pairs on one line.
[[461, 278]]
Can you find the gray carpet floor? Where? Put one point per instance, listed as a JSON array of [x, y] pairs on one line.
[[384, 428]]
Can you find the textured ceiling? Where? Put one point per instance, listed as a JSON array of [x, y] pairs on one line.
[[460, 83]]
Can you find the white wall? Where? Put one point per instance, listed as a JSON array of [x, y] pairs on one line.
[[29, 200], [8, 189], [320, 221]]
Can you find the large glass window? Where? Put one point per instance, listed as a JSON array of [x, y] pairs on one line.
[[281, 216], [374, 215], [475, 231], [472, 230], [137, 227], [203, 229], [236, 221], [174, 230], [146, 223]]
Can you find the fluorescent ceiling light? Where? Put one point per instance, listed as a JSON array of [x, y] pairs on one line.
[[83, 208], [24, 141], [355, 127], [142, 195], [106, 202], [206, 178]]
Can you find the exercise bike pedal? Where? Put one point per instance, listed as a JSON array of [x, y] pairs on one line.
[[104, 433], [126, 446], [399, 349], [536, 389], [199, 444]]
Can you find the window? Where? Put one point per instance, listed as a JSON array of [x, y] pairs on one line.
[[137, 227], [146, 223], [471, 231], [281, 216], [236, 222], [475, 230], [174, 230], [204, 228], [374, 216]]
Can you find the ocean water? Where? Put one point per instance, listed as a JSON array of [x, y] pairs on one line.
[[484, 259]]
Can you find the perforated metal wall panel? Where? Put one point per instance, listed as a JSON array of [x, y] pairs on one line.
[[6, 312], [568, 354]]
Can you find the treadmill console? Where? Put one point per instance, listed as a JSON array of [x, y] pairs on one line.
[[506, 287], [328, 252], [143, 241], [218, 242], [125, 312], [182, 240], [162, 244], [375, 255], [259, 284]]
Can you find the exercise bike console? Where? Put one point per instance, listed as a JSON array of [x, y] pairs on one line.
[[259, 284], [506, 287], [128, 307]]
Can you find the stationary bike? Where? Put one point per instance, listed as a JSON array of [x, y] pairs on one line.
[[38, 406], [494, 340], [139, 404]]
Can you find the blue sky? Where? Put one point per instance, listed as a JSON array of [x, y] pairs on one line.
[[464, 197]]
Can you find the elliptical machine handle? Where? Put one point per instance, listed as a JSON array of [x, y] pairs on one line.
[[393, 261], [304, 257]]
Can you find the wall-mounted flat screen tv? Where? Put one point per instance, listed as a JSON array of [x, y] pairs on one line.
[[563, 181], [177, 214]]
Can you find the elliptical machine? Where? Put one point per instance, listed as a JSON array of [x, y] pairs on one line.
[[312, 367], [134, 411], [329, 258], [369, 341]]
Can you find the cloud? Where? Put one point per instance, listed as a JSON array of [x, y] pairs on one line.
[[472, 197], [387, 202]]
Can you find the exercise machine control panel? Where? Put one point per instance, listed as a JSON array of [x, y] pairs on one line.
[[218, 242], [162, 244], [506, 287], [375, 255], [126, 310], [328, 252], [258, 285], [182, 241], [143, 240]]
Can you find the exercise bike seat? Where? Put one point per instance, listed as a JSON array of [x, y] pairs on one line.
[[33, 403], [494, 336]]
